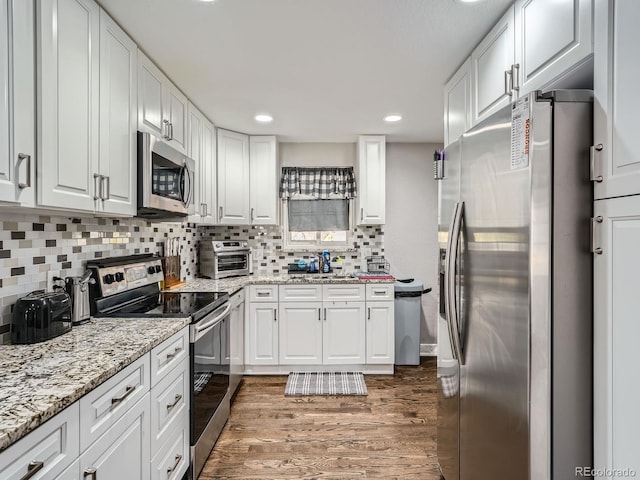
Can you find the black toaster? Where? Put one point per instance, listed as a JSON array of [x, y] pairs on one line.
[[40, 316]]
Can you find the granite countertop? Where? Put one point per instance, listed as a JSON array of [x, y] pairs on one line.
[[234, 284], [40, 380]]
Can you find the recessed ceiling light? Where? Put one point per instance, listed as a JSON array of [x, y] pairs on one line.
[[263, 118], [392, 118], [469, 1], [207, 1]]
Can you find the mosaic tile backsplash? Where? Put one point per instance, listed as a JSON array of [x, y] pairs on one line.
[[269, 257], [32, 246]]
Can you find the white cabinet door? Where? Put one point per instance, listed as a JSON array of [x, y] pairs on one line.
[[380, 333], [300, 333], [263, 168], [233, 178], [262, 334], [208, 183], [371, 180], [616, 330], [457, 103], [68, 101], [343, 333], [150, 81], [551, 38], [17, 81], [195, 119], [236, 320], [118, 118], [123, 451], [175, 112], [492, 58], [616, 77]]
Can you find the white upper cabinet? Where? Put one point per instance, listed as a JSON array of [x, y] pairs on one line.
[[68, 100], [233, 178], [370, 205], [162, 108], [552, 37], [17, 103], [118, 118], [491, 69], [195, 119], [201, 147], [263, 174], [457, 103], [86, 110], [616, 105]]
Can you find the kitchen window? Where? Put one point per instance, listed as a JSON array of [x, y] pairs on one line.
[[317, 206]]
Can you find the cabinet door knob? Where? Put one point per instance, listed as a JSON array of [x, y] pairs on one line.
[[33, 468], [515, 74], [275, 314], [165, 129], [592, 162], [220, 213], [594, 222], [97, 186], [508, 82], [90, 472]]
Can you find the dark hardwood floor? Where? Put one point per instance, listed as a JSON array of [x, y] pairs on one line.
[[389, 434]]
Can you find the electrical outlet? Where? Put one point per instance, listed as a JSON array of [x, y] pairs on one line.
[[50, 282]]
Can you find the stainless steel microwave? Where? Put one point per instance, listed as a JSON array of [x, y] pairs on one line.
[[166, 179]]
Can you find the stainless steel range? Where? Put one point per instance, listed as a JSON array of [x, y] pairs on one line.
[[129, 287]]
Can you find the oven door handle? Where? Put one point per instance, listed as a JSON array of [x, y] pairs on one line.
[[201, 329]]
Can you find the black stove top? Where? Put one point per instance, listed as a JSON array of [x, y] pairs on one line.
[[149, 302]]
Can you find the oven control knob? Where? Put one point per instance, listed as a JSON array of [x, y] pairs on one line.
[[119, 277], [108, 278], [151, 270], [158, 268]]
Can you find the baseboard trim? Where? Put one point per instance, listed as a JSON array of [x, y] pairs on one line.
[[428, 349]]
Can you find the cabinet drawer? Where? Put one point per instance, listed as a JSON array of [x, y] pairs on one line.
[[300, 293], [168, 354], [343, 292], [380, 291], [172, 461], [169, 399], [55, 445], [263, 293], [103, 406]]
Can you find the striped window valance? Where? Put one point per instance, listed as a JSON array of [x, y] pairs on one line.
[[318, 183]]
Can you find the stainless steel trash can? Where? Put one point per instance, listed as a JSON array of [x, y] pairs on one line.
[[407, 321]]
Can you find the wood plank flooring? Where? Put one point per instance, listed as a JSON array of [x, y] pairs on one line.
[[389, 434]]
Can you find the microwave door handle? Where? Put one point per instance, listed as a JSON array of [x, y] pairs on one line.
[[191, 178]]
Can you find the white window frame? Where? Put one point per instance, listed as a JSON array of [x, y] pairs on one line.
[[289, 245]]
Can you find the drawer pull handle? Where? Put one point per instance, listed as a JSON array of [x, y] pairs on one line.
[[263, 294], [33, 468], [176, 351], [127, 392], [379, 292], [92, 472], [175, 402], [175, 465]]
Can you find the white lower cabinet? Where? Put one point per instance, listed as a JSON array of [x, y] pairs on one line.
[[300, 333], [380, 332], [122, 451], [47, 451], [316, 325], [172, 459], [262, 334], [343, 333]]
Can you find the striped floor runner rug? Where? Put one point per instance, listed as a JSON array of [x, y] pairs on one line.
[[325, 383]]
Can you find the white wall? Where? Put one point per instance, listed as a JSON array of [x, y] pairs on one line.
[[410, 235], [317, 154]]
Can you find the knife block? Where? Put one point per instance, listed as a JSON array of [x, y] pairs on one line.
[[171, 268]]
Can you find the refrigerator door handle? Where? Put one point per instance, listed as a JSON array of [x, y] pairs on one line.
[[448, 313], [453, 304]]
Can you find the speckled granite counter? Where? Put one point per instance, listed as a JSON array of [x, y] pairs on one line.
[[40, 380], [233, 284]]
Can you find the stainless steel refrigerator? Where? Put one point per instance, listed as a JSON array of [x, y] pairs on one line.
[[515, 326]]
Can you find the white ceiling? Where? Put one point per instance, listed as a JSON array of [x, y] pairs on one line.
[[327, 70]]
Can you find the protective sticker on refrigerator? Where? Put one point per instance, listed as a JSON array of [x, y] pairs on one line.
[[520, 131]]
